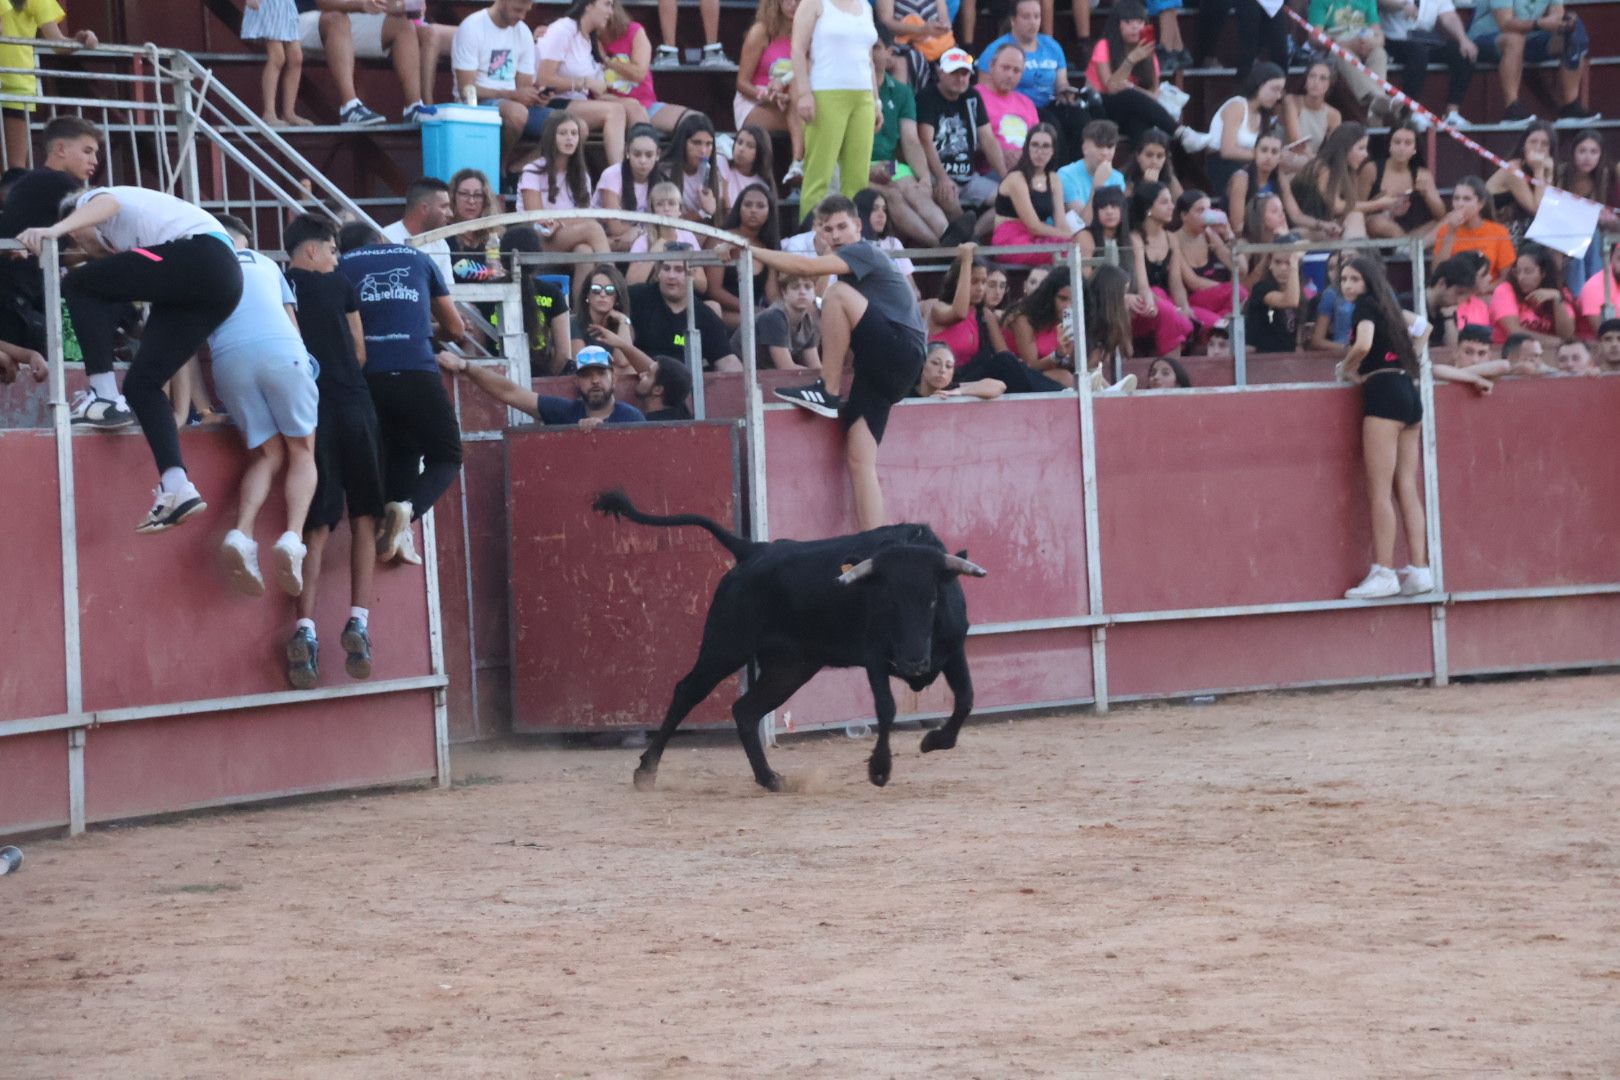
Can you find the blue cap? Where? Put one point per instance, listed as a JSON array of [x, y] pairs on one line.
[[593, 356]]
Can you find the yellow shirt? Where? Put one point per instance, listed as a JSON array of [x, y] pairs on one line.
[[24, 24]]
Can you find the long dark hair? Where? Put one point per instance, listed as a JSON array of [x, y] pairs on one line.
[[1602, 176], [1040, 306], [770, 233], [575, 11], [1543, 258], [1151, 137], [1189, 199], [1183, 380], [1027, 170], [1387, 311], [1260, 74], [1142, 200], [1145, 74], [572, 168], [1333, 162], [621, 292], [1105, 197], [1524, 136], [864, 200], [1417, 161], [953, 276], [672, 166], [1487, 205], [764, 157], [627, 179], [1108, 320]]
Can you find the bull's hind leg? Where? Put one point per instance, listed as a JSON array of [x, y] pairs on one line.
[[698, 684], [776, 683], [960, 681]]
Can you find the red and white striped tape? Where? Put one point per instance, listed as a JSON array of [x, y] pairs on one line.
[[1399, 97]]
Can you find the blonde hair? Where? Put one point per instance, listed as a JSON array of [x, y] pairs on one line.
[[662, 190]]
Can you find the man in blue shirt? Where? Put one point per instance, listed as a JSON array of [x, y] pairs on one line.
[[1516, 32], [402, 296], [1046, 78], [593, 377]]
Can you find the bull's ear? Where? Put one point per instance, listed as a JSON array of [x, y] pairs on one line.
[[962, 554], [958, 564], [855, 571]]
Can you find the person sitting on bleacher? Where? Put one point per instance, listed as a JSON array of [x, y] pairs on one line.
[[1600, 292], [1241, 119], [1353, 24], [1012, 115], [1045, 79], [939, 378], [688, 162], [1514, 198], [1405, 186], [626, 56], [764, 70], [1271, 316], [1093, 169], [593, 378], [1471, 226], [559, 180], [1524, 355], [961, 322], [921, 32], [1608, 338], [1416, 31], [371, 30], [659, 308], [1328, 190], [1459, 295], [1307, 118], [787, 335], [1513, 33], [625, 185], [1533, 300], [1124, 70], [899, 164], [663, 393], [567, 64], [1029, 208], [955, 130], [494, 53], [603, 303]]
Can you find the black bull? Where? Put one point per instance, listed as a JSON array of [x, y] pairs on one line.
[[886, 600]]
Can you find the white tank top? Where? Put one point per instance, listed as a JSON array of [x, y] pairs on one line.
[[841, 48], [1217, 127]]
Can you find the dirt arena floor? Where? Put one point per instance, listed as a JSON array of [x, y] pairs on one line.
[[1394, 882]]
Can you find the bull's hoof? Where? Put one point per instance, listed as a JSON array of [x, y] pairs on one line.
[[877, 772], [938, 740], [645, 779], [773, 782]]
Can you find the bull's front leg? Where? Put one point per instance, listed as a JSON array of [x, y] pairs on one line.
[[879, 764], [960, 681]]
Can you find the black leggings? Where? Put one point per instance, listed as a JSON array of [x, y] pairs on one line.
[[421, 444], [192, 285], [1019, 377], [1414, 55], [1135, 110], [1260, 36]]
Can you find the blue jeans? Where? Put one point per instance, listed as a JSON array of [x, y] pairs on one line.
[[1538, 47]]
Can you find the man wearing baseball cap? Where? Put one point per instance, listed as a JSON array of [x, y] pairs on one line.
[[593, 377], [955, 129]]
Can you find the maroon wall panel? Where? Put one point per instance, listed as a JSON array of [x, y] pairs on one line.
[[606, 615], [454, 613], [1178, 658], [1513, 635], [161, 624], [1529, 484], [1216, 500], [156, 766], [33, 673], [33, 782]]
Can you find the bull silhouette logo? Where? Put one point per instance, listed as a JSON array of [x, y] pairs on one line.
[[375, 288]]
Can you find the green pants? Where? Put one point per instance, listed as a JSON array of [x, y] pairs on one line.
[[840, 134]]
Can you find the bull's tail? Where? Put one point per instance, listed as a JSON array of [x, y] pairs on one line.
[[617, 503]]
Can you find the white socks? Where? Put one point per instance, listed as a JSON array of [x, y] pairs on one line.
[[173, 480], [104, 385], [363, 614], [306, 624]]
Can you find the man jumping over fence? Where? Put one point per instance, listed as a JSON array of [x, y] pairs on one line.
[[870, 315]]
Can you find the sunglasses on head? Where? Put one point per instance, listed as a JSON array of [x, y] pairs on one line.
[[604, 290]]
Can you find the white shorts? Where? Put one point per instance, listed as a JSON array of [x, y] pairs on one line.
[[268, 395], [366, 29]]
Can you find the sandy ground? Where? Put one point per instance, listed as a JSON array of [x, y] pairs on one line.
[[1389, 882]]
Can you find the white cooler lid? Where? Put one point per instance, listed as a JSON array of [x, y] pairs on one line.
[[464, 114]]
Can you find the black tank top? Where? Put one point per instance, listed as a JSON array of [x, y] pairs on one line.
[[1158, 273], [1041, 201]]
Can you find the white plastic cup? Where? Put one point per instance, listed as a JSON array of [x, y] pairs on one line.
[[11, 859]]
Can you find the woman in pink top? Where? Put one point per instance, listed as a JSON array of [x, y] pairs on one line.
[[1124, 69], [626, 56], [567, 63], [558, 180], [1533, 300], [626, 185], [763, 73]]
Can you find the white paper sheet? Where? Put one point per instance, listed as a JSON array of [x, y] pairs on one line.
[[1564, 223]]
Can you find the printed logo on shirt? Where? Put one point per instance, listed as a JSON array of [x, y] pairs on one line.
[[679, 339], [502, 65], [1013, 130], [375, 288]]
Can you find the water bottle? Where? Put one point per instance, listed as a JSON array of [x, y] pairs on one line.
[[10, 859]]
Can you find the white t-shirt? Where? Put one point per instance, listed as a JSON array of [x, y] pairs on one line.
[[437, 250], [148, 218], [534, 178], [562, 42], [612, 179], [1397, 27], [498, 55]]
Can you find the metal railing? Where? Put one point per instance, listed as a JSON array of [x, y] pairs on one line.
[[177, 129]]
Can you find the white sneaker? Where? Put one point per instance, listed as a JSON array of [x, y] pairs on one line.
[[395, 523], [171, 508], [1379, 583], [1416, 580], [795, 174], [1124, 386], [715, 58], [407, 547], [90, 410], [1456, 121], [241, 556], [289, 555], [1099, 381]]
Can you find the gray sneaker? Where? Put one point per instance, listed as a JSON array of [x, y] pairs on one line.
[[303, 659], [667, 56], [357, 115], [714, 57], [171, 508], [357, 647]]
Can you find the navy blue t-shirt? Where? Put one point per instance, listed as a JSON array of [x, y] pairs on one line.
[[397, 285], [561, 410]]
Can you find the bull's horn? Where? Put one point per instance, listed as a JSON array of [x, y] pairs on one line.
[[957, 564], [856, 572]]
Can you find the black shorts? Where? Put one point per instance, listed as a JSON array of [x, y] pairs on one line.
[[1392, 395], [347, 461], [888, 362]]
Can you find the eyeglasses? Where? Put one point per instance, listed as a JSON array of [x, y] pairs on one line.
[[479, 195], [604, 290]]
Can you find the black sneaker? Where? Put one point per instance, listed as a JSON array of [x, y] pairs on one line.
[[814, 397], [1516, 113], [1169, 61], [1573, 114], [303, 659], [357, 644], [959, 231]]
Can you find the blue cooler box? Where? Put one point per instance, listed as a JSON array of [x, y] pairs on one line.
[[462, 137]]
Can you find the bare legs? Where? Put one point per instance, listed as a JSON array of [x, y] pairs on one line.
[[299, 485], [362, 564], [841, 308], [1392, 452]]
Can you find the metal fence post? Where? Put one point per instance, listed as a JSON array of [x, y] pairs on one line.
[[694, 350], [1088, 477], [1431, 478]]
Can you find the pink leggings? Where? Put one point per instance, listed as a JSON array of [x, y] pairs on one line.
[[1169, 327], [1214, 303]]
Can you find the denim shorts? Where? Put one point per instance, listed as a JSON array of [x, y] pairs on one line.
[[1538, 47]]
